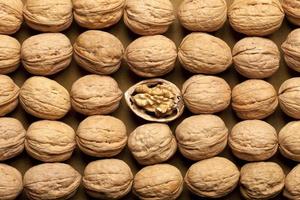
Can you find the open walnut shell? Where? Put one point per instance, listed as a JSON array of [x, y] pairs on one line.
[[155, 100]]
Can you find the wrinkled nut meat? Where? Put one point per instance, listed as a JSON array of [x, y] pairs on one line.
[[292, 184], [48, 15], [50, 141], [152, 143], [151, 56], [11, 184], [158, 182], [256, 17], [261, 180], [10, 54], [107, 179], [101, 136], [44, 98], [201, 136], [253, 140], [204, 53], [98, 14], [202, 15], [149, 17], [292, 10], [51, 181], [256, 57], [95, 95], [47, 53], [206, 94], [155, 100], [254, 99], [213, 178], [9, 93], [291, 50], [11, 16]]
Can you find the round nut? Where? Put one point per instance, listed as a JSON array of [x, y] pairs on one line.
[[95, 95], [261, 180], [152, 143], [101, 136], [149, 17], [256, 17], [44, 98], [213, 178], [292, 184], [253, 140], [151, 56], [204, 53], [48, 15], [107, 179], [10, 182], [46, 54], [292, 10], [50, 141], [11, 16], [254, 99], [98, 52], [256, 57], [201, 136], [291, 50], [97, 14], [51, 181], [206, 94], [160, 181], [9, 93], [201, 15], [10, 53]]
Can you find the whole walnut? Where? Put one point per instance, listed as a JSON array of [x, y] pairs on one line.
[[151, 56], [11, 16], [9, 93], [254, 99], [292, 10], [202, 15], [256, 17], [204, 53], [256, 57], [292, 184], [11, 184], [10, 53], [291, 50], [149, 17], [206, 94]]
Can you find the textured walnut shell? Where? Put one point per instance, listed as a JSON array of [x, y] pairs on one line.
[[98, 52], [44, 98], [213, 178], [10, 54], [202, 15], [256, 17], [253, 140], [254, 99], [292, 184], [101, 136], [51, 181], [261, 180], [10, 182], [48, 15], [256, 57], [206, 94], [201, 136], [9, 93], [11, 16], [160, 181], [152, 143], [149, 17], [47, 53], [204, 53], [95, 95], [97, 14], [291, 50], [292, 10], [151, 56], [107, 179]]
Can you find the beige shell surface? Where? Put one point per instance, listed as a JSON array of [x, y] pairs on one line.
[[98, 52], [256, 57], [10, 182], [107, 179], [151, 56], [149, 17], [213, 178], [256, 17], [201, 136], [261, 180], [11, 16], [292, 10], [254, 99], [291, 49], [292, 184], [10, 54], [9, 93], [202, 15], [44, 98], [152, 143], [46, 53]]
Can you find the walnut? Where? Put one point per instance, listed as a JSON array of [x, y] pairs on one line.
[[11, 16], [11, 184], [291, 50], [10, 54], [9, 93], [292, 184], [292, 10]]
